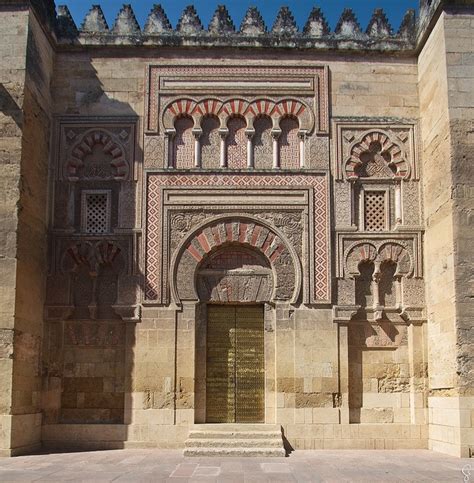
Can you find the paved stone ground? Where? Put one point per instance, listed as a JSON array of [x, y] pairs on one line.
[[165, 465]]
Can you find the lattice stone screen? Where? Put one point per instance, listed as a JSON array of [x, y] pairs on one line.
[[375, 211], [95, 212]]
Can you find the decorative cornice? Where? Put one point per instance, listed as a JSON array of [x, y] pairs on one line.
[[379, 26], [94, 22], [378, 36], [157, 22], [126, 22], [221, 23], [316, 26], [253, 25]]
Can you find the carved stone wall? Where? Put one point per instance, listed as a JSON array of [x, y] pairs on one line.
[[379, 267], [177, 202], [377, 209], [177, 92], [236, 233], [217, 142], [93, 281]]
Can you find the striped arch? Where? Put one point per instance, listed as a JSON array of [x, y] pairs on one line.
[[294, 108], [206, 107], [394, 252], [176, 109], [89, 254], [84, 147], [234, 107], [262, 107], [357, 253], [234, 231], [391, 149]]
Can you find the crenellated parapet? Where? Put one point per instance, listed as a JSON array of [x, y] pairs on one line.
[[222, 32], [190, 31]]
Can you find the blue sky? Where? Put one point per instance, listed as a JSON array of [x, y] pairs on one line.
[[332, 9]]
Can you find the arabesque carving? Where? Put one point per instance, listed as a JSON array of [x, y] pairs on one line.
[[227, 108], [244, 232], [376, 155], [235, 274], [378, 253], [97, 155], [94, 269]]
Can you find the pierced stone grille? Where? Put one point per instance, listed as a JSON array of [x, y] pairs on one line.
[[374, 210], [97, 213]]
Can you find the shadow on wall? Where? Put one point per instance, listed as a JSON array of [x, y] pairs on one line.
[[9, 107], [95, 282]]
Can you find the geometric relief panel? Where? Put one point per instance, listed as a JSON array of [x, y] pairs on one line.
[[166, 82], [377, 149], [96, 149], [316, 266]]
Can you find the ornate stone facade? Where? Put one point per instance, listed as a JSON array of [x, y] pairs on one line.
[[224, 170]]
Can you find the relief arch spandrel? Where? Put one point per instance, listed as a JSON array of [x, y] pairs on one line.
[[237, 233]]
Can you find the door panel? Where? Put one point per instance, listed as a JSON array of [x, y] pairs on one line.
[[249, 366], [235, 384], [220, 367]]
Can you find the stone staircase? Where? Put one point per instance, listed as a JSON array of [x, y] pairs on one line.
[[235, 440]]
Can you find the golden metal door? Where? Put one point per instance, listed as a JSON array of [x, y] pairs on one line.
[[235, 384], [220, 364]]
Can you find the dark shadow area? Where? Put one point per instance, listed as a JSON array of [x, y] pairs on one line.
[[364, 290], [286, 444], [10, 107], [387, 292], [95, 278], [355, 381]]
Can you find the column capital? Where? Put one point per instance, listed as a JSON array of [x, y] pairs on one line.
[[223, 132], [276, 133], [197, 133]]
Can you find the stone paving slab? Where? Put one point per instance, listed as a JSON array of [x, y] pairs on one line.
[[302, 466]]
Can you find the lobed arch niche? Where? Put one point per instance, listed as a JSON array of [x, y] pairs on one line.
[[235, 260], [378, 272], [236, 133]]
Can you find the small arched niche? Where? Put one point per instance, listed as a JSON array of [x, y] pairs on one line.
[[236, 143], [234, 274], [289, 143], [263, 143], [210, 142], [364, 291], [387, 281], [183, 146]]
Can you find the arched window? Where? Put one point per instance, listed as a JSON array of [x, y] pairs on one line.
[[210, 142], [364, 293], [289, 143], [387, 289], [183, 147], [107, 286], [236, 143], [262, 141], [82, 292]]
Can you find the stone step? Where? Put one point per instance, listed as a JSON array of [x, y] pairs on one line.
[[265, 452], [236, 427], [238, 442], [235, 440], [234, 434]]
